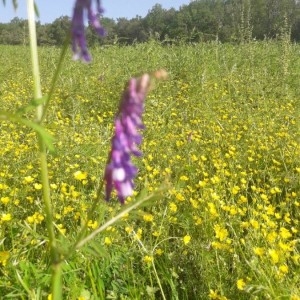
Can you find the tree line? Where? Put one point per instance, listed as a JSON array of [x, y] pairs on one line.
[[199, 21]]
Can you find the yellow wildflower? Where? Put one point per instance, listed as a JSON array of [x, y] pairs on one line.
[[179, 197], [138, 234], [240, 284], [173, 207], [53, 186], [242, 199], [36, 218], [4, 200], [107, 241], [254, 224], [233, 210], [284, 269], [264, 197], [274, 256], [92, 224], [128, 229], [79, 175], [61, 229], [271, 237], [4, 256], [156, 233], [202, 183], [215, 295], [147, 259], [203, 158], [148, 217], [215, 179], [67, 209], [212, 209], [215, 196], [198, 220], [284, 233], [221, 233], [194, 203], [287, 218], [194, 157], [235, 190], [30, 199], [186, 239], [168, 170], [259, 251], [159, 251], [6, 217], [28, 179], [38, 186]]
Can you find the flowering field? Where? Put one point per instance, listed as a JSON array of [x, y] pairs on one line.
[[220, 164]]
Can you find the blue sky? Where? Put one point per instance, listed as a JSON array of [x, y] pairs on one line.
[[52, 9]]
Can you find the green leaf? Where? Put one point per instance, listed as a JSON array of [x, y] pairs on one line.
[[32, 105], [46, 137], [96, 250]]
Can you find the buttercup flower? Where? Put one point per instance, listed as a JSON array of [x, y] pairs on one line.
[[120, 171], [79, 46]]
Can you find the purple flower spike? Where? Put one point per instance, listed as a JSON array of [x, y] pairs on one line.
[[120, 172], [79, 46]]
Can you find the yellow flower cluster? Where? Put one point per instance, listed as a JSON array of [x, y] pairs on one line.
[[224, 149]]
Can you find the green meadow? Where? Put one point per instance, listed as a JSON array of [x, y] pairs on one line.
[[220, 166]]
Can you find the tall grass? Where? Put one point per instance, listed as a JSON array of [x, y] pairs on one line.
[[222, 138]]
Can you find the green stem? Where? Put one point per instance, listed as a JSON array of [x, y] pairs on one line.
[[56, 76], [158, 281], [34, 56], [110, 222], [54, 254], [90, 213], [57, 281]]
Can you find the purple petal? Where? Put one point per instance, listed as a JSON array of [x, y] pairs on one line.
[[120, 172], [79, 45]]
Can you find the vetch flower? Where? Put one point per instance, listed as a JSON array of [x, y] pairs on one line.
[[120, 172], [79, 46]]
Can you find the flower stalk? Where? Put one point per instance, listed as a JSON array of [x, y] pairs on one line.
[[34, 57], [120, 172], [56, 267]]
